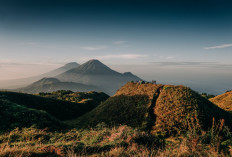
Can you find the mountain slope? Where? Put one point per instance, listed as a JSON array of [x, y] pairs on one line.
[[60, 70], [53, 84], [17, 83], [96, 73], [62, 110], [164, 109], [223, 101]]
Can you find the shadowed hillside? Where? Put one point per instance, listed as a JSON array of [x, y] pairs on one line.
[[164, 109], [131, 105], [63, 110], [223, 101], [13, 115]]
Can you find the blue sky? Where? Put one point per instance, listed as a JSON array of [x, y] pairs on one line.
[[40, 35]]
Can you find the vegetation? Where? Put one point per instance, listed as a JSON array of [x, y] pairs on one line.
[[62, 110], [77, 97], [207, 96], [114, 111], [179, 107], [139, 120], [13, 115], [223, 101], [115, 141], [131, 106], [166, 110]]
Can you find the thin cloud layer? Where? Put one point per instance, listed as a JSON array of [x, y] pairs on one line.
[[119, 42], [194, 65], [89, 48], [218, 47], [120, 56]]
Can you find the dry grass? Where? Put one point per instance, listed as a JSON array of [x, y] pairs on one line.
[[223, 101], [119, 141]]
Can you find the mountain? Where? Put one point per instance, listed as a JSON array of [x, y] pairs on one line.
[[223, 101], [17, 83], [98, 74], [53, 84], [162, 109]]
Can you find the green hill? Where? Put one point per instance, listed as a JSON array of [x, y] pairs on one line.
[[159, 108], [62, 110], [77, 97], [13, 115]]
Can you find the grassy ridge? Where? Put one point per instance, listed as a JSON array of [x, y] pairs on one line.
[[130, 106], [166, 110], [129, 110]]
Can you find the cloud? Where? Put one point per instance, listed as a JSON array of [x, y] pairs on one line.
[[120, 56], [94, 48], [166, 57], [7, 62], [119, 42], [36, 44], [194, 65], [183, 63], [218, 47]]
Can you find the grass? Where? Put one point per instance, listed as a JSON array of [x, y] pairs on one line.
[[179, 107], [129, 110], [114, 141], [223, 101], [131, 106]]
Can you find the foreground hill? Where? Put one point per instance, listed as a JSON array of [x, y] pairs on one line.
[[53, 84], [162, 109], [96, 73], [13, 115], [223, 101], [62, 110], [17, 83]]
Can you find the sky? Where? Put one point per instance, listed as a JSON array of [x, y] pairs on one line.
[[174, 41]]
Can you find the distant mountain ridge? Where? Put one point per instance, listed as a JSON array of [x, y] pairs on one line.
[[17, 83], [62, 69], [53, 84], [98, 74], [93, 75]]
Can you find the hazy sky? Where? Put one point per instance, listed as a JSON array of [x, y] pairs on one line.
[[45, 34]]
